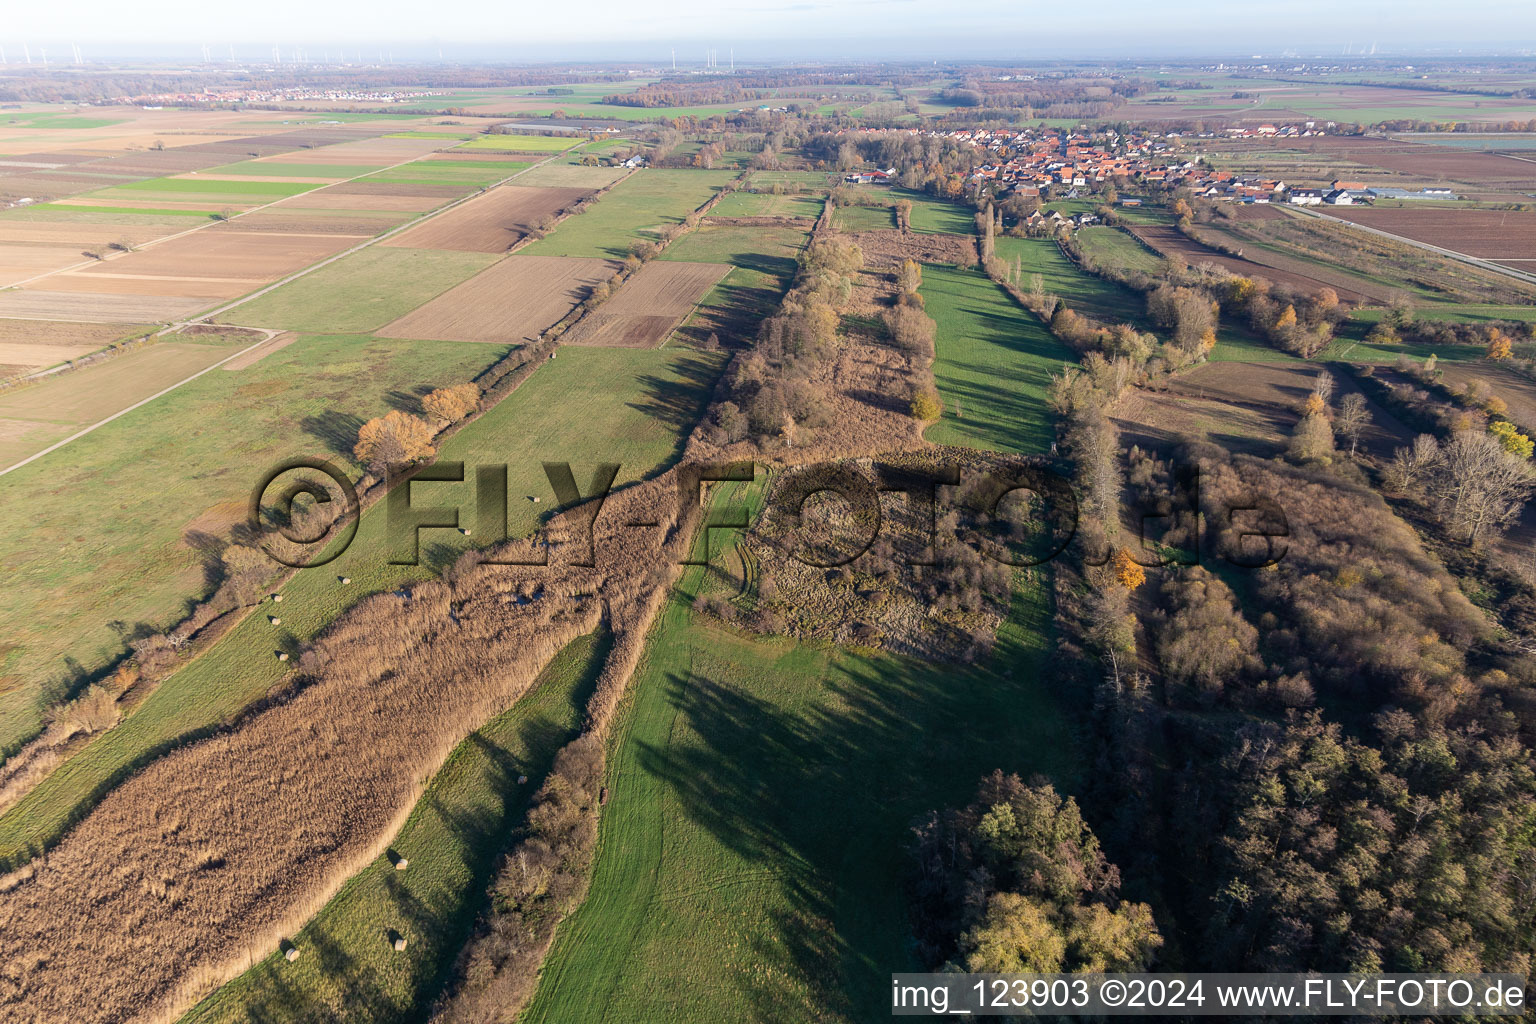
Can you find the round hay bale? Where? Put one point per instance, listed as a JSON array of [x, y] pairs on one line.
[[535, 499], [277, 598], [282, 655], [401, 863], [290, 951], [466, 531], [399, 943], [345, 580], [275, 620]]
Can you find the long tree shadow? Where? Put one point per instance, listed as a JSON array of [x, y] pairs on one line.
[[823, 796], [336, 430]]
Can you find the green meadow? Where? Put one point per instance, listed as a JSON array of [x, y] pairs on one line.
[[634, 210], [994, 364], [1092, 296], [751, 860], [1117, 248], [281, 170], [214, 186], [362, 292], [523, 143]]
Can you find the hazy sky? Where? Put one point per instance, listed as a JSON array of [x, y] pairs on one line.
[[765, 29]]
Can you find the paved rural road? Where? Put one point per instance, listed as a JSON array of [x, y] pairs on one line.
[[256, 294], [1460, 257]]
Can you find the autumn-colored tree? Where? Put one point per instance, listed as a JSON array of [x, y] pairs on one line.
[[452, 404], [1240, 290], [1498, 345], [1512, 440], [1181, 210], [926, 405], [1128, 573], [393, 439], [1287, 318], [1314, 405], [909, 276]]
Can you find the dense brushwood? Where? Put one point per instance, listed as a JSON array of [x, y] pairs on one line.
[[219, 848]]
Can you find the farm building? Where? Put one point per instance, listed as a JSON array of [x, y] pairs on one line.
[[1403, 193]]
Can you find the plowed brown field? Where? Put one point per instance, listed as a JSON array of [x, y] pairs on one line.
[[1486, 234], [507, 303], [493, 222], [218, 253], [649, 305]]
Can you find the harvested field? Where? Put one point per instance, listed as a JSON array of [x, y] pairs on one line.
[[512, 301], [442, 193], [234, 255], [1485, 234], [56, 341], [649, 305], [22, 263], [1429, 163], [32, 345], [151, 285], [320, 222], [886, 249], [493, 222], [1293, 273], [77, 235], [95, 307], [379, 151], [23, 356], [330, 199], [1243, 407]]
